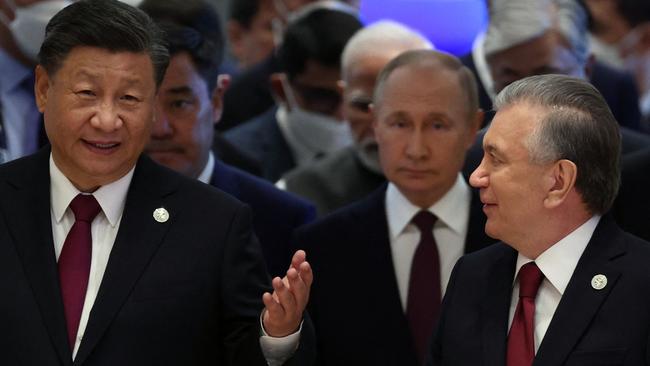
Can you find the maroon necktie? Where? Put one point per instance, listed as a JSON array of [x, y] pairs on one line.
[[74, 262], [423, 301], [521, 339]]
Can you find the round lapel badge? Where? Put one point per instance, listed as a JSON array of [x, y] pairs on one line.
[[160, 215], [598, 282]]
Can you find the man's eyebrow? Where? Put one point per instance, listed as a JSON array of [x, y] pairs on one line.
[[179, 90]]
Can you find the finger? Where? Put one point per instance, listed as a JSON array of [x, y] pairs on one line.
[[298, 258], [273, 308], [285, 297], [299, 289], [306, 274]]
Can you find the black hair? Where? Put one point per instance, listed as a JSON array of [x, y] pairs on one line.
[[243, 11], [319, 36], [106, 24], [191, 26]]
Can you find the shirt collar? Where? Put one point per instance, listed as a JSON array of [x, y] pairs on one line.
[[111, 197], [206, 174], [558, 262], [13, 72], [452, 209]]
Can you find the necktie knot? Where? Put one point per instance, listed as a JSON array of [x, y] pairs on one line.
[[530, 277], [424, 220], [85, 207]]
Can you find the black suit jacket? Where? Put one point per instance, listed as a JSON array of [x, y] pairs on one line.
[[262, 139], [183, 292], [632, 205], [591, 327], [355, 302], [618, 88], [276, 214]]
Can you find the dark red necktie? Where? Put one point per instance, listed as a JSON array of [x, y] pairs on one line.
[[74, 262], [521, 339], [423, 301]]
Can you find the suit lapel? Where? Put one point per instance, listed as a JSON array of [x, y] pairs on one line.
[[372, 212], [222, 178], [138, 238], [278, 158], [580, 301], [495, 309], [27, 199]]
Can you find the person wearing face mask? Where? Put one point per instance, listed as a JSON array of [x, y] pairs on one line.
[[352, 173], [308, 123], [22, 29], [250, 94]]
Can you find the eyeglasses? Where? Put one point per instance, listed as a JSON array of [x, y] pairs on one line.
[[318, 99]]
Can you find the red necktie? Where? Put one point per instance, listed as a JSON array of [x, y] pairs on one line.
[[423, 301], [74, 262], [521, 339]]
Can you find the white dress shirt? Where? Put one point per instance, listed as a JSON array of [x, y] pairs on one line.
[[104, 228], [111, 198], [450, 231], [557, 264]]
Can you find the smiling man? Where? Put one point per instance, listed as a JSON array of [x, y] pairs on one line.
[[566, 286], [401, 241], [108, 258]]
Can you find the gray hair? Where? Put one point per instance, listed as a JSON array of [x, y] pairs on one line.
[[384, 37], [513, 22], [430, 58], [578, 126]]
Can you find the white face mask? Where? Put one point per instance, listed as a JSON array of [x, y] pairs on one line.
[[28, 26], [320, 133], [368, 153]]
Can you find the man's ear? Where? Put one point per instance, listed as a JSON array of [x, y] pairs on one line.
[[561, 181], [277, 81], [223, 82], [41, 87], [474, 125]]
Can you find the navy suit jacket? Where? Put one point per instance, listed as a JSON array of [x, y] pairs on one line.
[[617, 87], [262, 139], [275, 213], [591, 327], [183, 292], [355, 302]]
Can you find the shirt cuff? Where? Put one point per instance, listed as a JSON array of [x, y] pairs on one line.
[[277, 350]]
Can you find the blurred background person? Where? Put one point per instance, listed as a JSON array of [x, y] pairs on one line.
[[352, 173], [188, 106], [22, 30], [308, 121], [531, 37]]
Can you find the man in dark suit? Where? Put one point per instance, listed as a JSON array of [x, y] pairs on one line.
[[566, 286], [426, 115], [189, 105], [108, 258], [532, 37], [632, 205], [308, 122]]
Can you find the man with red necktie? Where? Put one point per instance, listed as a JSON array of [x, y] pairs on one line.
[[566, 286]]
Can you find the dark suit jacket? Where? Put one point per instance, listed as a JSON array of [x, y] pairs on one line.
[[334, 181], [261, 139], [355, 302], [275, 213], [231, 155], [590, 327], [184, 292], [632, 206], [617, 87], [249, 94]]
